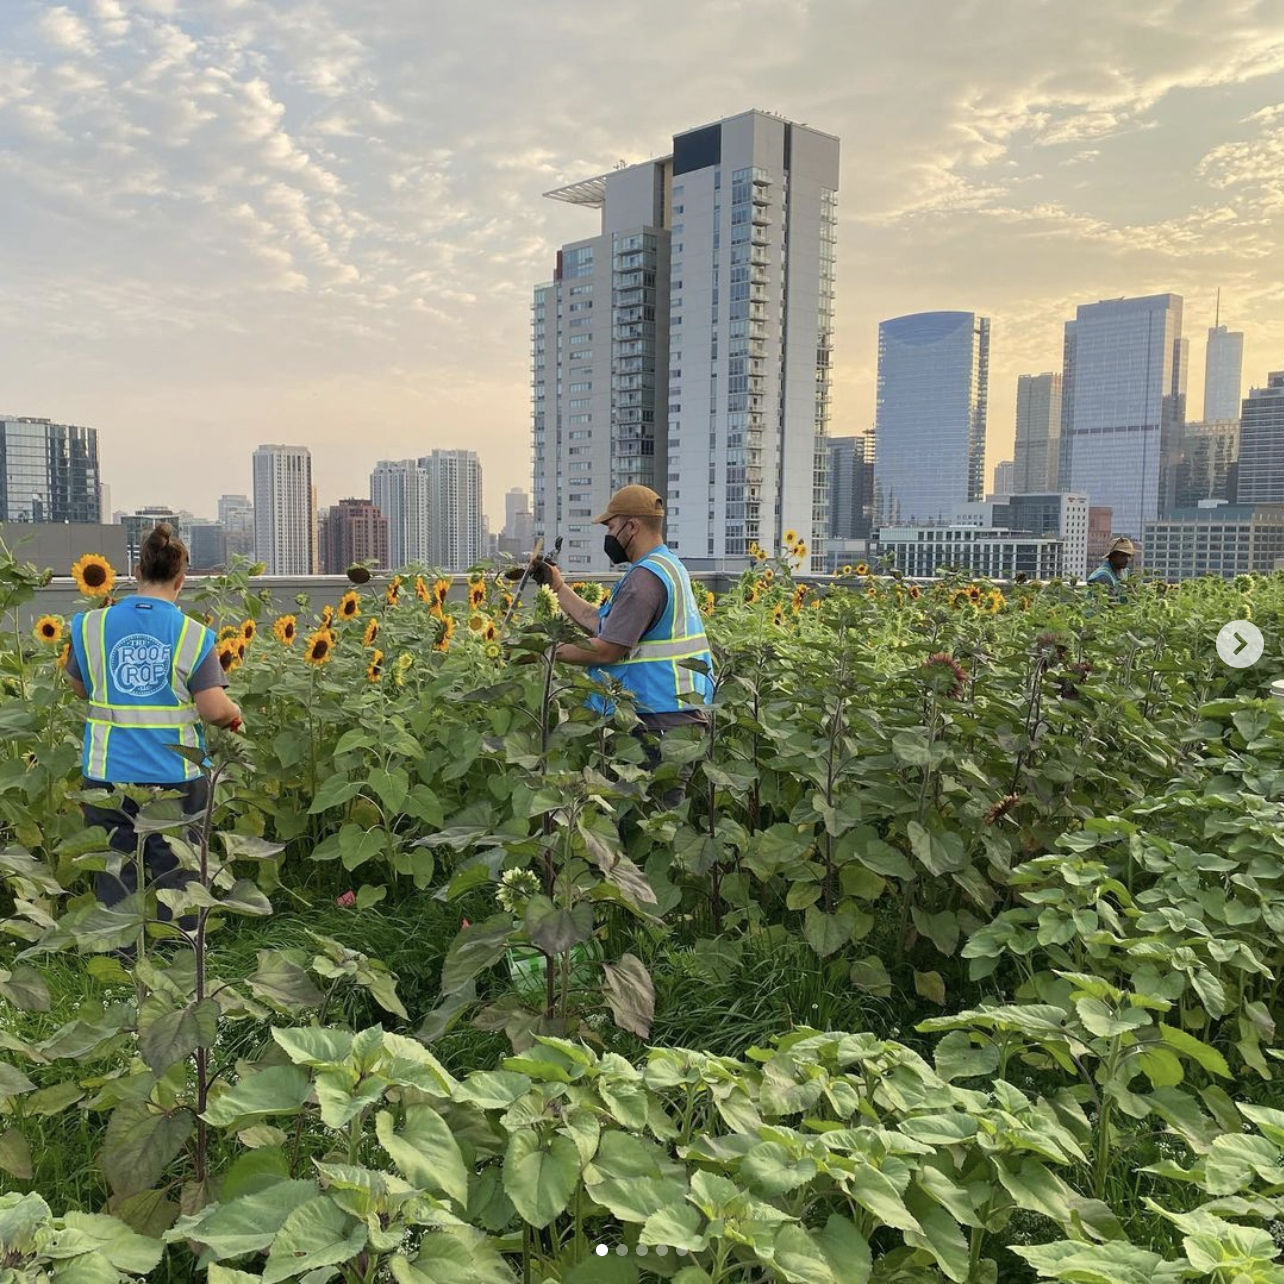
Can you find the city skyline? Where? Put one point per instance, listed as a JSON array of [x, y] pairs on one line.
[[236, 225]]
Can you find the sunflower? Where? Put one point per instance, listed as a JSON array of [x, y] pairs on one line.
[[752, 595], [49, 629], [393, 591], [862, 568], [846, 570], [93, 575], [476, 595], [359, 574], [800, 596], [405, 661], [791, 537], [320, 647], [228, 656], [350, 605], [768, 575], [64, 655], [709, 600], [285, 629], [490, 632], [508, 600], [374, 670], [957, 598], [973, 594], [760, 555], [915, 592], [327, 617], [800, 550], [995, 601], [372, 632], [248, 629], [546, 607], [494, 652], [445, 632], [476, 622], [946, 673], [440, 588], [228, 631], [778, 616], [240, 645], [421, 588]]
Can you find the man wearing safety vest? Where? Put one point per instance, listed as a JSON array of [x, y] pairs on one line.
[[152, 677], [648, 626], [1113, 571]]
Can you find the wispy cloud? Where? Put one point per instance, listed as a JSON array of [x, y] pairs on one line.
[[321, 219]]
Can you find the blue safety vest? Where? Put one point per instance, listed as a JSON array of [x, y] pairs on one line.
[[135, 659], [653, 671]]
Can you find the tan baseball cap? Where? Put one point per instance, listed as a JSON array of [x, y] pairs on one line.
[[632, 501], [1124, 545]]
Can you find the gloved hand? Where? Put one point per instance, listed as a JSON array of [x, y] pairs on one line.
[[543, 571]]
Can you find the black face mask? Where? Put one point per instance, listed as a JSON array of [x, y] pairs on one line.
[[615, 550]]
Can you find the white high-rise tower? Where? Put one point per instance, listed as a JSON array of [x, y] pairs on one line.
[[284, 519], [688, 345]]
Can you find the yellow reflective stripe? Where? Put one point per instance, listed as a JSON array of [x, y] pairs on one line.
[[97, 764], [102, 650], [178, 652]]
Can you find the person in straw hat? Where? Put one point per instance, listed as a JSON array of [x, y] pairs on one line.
[[1112, 573]]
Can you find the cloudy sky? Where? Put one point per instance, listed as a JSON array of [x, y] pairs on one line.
[[224, 222]]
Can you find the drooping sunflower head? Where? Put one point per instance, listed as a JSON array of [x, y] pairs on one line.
[[374, 670], [445, 631], [358, 574], [405, 662], [49, 629], [248, 629], [94, 575], [285, 629], [915, 592], [320, 647], [372, 632], [946, 674], [350, 605]]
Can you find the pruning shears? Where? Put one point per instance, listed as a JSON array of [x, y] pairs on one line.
[[537, 556]]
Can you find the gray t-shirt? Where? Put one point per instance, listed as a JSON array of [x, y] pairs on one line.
[[638, 604], [209, 673]]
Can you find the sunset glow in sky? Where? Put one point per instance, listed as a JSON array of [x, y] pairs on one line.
[[226, 222]]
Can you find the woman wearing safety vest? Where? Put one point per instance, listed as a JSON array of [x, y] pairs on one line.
[[152, 678], [648, 626]]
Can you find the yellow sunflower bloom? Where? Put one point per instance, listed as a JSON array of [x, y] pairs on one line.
[[285, 629], [320, 647], [801, 550], [440, 588], [995, 601], [228, 631], [862, 568], [421, 588], [49, 629], [327, 616], [778, 616], [490, 632], [248, 629], [64, 654], [94, 575], [445, 632], [350, 606], [973, 594], [846, 570], [791, 537], [476, 623], [915, 592], [229, 657], [372, 632], [476, 595], [393, 591], [374, 670]]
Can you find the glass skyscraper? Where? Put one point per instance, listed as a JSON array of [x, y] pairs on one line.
[[929, 449], [48, 472], [1123, 404], [1261, 444]]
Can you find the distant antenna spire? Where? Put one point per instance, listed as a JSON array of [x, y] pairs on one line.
[[1217, 318]]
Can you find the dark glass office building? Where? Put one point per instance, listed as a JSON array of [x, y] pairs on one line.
[[48, 472]]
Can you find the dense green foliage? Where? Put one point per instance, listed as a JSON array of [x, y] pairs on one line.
[[958, 961]]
